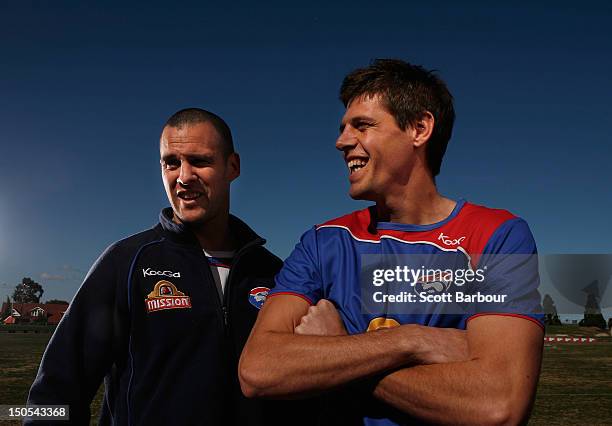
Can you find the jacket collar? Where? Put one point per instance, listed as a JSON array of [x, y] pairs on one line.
[[182, 234]]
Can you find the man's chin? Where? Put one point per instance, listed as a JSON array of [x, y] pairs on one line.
[[190, 218], [360, 194]]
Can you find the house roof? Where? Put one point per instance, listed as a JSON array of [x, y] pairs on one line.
[[54, 311]]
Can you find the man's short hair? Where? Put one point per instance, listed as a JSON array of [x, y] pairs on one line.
[[407, 91], [191, 116]]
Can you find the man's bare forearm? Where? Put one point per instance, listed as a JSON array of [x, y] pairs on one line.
[[483, 390], [491, 382], [454, 393], [283, 364], [280, 361]]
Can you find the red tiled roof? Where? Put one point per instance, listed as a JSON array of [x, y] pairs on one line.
[[54, 311]]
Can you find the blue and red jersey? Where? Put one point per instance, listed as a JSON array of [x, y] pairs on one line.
[[327, 263]]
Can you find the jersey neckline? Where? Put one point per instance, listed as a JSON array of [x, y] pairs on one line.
[[411, 227], [222, 254]]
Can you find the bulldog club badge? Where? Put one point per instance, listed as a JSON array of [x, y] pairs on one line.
[[434, 283], [165, 295], [257, 296]]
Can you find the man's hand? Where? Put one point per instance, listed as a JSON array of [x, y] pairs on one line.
[[438, 345], [322, 319]]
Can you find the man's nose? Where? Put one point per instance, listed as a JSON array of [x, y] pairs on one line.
[[186, 175], [346, 140]]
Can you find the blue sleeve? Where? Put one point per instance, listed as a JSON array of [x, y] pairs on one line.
[[300, 274], [510, 263], [79, 353]]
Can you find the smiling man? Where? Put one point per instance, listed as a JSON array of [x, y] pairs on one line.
[[407, 363], [162, 315]]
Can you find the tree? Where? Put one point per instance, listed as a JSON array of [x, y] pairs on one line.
[[29, 291], [592, 311], [7, 309], [550, 311]]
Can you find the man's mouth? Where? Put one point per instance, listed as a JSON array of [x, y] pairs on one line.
[[356, 164], [189, 195]]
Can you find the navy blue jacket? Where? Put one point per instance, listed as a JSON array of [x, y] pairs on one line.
[[162, 362]]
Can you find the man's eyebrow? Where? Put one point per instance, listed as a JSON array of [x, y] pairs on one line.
[[190, 157], [359, 118], [200, 157], [168, 157]]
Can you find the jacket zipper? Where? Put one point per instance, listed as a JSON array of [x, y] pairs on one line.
[[226, 294], [224, 303], [211, 279], [225, 319]]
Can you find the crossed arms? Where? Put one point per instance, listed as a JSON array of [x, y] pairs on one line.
[[485, 375]]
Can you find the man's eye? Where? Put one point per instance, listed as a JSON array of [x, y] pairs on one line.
[[171, 165]]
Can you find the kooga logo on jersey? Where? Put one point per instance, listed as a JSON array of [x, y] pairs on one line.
[[151, 273], [450, 241]]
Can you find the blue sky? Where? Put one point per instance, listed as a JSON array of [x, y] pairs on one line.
[[86, 88]]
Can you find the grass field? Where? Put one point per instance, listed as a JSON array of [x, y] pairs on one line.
[[576, 381], [575, 385], [20, 354]]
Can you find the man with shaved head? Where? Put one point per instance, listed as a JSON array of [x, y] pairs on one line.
[[163, 315]]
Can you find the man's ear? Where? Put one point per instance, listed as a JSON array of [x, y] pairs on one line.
[[233, 166], [423, 128]]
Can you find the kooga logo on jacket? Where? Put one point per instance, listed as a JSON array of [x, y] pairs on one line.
[[150, 273]]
